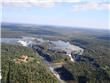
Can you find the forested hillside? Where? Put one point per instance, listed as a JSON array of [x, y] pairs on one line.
[[31, 71]]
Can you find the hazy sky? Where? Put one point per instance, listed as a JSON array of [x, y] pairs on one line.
[[75, 13]]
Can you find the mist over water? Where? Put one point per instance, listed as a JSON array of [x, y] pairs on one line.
[[67, 46]]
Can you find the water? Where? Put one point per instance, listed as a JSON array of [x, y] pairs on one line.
[[10, 40], [24, 41], [67, 46], [61, 44]]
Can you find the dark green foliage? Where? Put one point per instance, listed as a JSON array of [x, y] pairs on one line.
[[86, 73], [29, 72], [58, 57], [100, 51]]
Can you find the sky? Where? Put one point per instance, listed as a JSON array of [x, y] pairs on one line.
[[72, 13]]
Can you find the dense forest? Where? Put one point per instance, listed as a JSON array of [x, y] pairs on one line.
[[84, 72], [32, 71], [94, 64]]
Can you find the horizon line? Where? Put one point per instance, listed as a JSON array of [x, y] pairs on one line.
[[52, 25]]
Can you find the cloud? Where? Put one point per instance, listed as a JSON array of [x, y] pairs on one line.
[[42, 3], [28, 2], [90, 6], [96, 1], [78, 5]]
